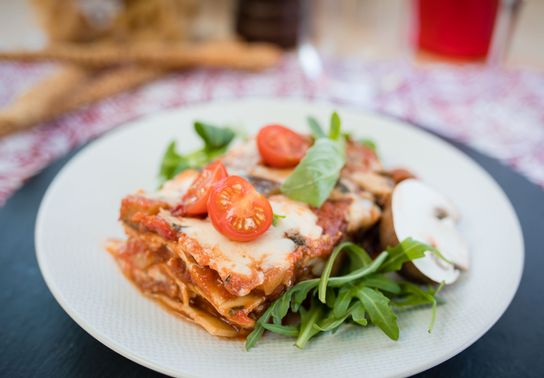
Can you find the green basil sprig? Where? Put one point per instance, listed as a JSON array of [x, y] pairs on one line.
[[315, 176], [364, 294], [216, 140]]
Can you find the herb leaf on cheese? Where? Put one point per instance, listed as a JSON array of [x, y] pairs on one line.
[[315, 176]]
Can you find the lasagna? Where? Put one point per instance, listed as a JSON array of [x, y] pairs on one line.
[[224, 285]]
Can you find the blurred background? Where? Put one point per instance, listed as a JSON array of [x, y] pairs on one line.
[[70, 70]]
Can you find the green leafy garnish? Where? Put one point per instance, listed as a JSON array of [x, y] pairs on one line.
[[316, 175], [369, 143], [308, 319], [379, 311], [408, 250], [216, 140], [315, 127], [335, 128], [364, 294], [276, 218], [214, 137]]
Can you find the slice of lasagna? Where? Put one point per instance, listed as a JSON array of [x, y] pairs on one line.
[[223, 285]]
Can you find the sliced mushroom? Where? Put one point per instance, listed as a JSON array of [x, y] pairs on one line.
[[415, 210]]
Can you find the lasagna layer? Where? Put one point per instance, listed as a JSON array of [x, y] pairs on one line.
[[222, 285]]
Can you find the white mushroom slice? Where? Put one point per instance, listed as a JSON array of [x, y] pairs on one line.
[[418, 211]]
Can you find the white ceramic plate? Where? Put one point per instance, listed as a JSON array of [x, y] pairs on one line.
[[80, 210]]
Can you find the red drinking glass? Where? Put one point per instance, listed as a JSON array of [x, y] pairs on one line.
[[457, 28]]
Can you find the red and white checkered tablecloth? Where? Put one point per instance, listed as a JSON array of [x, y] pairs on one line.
[[499, 112]]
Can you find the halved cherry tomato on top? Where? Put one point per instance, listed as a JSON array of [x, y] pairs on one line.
[[281, 147], [195, 201], [237, 210]]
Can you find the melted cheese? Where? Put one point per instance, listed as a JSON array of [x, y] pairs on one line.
[[362, 213], [244, 160], [172, 190], [272, 250]]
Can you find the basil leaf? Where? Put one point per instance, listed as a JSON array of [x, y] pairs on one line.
[[174, 163], [171, 160], [379, 311], [315, 127], [216, 141], [335, 128], [316, 175], [214, 137]]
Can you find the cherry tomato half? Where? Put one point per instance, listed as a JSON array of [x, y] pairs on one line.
[[195, 201], [237, 210], [281, 147]]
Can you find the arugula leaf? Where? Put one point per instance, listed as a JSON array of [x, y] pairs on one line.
[[408, 250], [358, 314], [418, 296], [315, 127], [434, 305], [254, 336], [216, 141], [379, 281], [342, 302], [331, 297], [379, 311], [330, 322], [359, 273], [290, 331], [307, 320], [280, 308], [276, 218], [301, 291], [315, 176], [358, 256], [352, 295]]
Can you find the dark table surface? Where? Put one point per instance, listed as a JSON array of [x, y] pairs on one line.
[[37, 338]]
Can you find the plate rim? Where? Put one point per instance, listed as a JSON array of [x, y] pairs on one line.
[[271, 101]]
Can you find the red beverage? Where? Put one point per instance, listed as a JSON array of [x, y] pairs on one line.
[[460, 28]]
